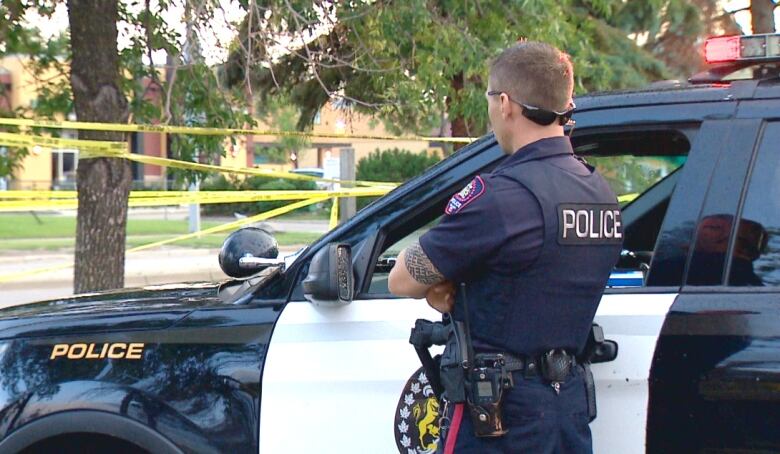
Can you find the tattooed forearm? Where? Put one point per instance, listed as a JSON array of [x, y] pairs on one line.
[[420, 267]]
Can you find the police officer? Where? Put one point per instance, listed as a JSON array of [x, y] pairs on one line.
[[534, 242]]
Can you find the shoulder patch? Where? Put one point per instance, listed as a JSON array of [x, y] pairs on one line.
[[468, 194]]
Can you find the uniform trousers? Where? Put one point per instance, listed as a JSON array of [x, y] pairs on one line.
[[539, 421]]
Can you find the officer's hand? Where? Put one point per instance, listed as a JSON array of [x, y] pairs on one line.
[[441, 296]]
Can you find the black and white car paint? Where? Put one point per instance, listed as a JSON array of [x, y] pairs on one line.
[[248, 366]]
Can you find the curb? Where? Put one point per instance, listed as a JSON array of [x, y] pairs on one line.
[[130, 281]]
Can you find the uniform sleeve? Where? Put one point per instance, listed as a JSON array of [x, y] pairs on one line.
[[471, 230]]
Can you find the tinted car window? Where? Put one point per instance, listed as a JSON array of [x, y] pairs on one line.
[[717, 219], [755, 259]]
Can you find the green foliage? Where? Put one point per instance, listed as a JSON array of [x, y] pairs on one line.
[[11, 159], [394, 165], [257, 183], [413, 61], [635, 174], [54, 94], [280, 114], [192, 93]]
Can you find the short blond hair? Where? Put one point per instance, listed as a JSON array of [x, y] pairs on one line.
[[534, 73]]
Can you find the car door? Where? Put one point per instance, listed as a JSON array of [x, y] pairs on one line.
[[715, 378], [656, 224], [339, 373]]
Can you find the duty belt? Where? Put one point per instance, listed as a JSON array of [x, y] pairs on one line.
[[530, 366]]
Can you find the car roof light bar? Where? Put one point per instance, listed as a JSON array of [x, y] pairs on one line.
[[748, 48]]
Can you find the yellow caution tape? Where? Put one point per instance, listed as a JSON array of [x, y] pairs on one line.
[[165, 162], [92, 126], [64, 200], [25, 140], [334, 214], [22, 274], [27, 201], [258, 194], [232, 225], [36, 194], [105, 149]]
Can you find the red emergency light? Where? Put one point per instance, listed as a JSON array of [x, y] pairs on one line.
[[721, 49], [743, 48], [740, 57]]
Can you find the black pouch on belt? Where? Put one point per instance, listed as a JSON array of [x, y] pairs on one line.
[[556, 365]]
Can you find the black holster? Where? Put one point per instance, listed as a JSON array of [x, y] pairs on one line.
[[453, 360], [424, 335], [595, 340]]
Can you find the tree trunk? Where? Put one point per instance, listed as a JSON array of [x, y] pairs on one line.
[[458, 124], [762, 16], [103, 183]]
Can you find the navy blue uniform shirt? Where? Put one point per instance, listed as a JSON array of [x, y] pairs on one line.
[[495, 224]]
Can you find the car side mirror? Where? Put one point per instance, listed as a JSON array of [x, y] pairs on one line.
[[247, 251], [330, 280]]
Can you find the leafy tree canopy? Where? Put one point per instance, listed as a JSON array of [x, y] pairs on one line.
[[415, 61], [191, 93]]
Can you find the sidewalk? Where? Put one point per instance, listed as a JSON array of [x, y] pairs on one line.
[[163, 265]]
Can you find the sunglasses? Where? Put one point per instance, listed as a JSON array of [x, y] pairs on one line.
[[538, 115]]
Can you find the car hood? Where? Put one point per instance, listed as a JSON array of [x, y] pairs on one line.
[[153, 307]]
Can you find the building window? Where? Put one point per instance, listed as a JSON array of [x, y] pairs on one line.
[[270, 154], [63, 168], [3, 180], [260, 159], [5, 97]]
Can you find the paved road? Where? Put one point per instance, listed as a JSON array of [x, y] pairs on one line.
[[166, 265], [14, 297]]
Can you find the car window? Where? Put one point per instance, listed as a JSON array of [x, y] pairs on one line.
[[707, 249], [755, 256], [378, 285], [633, 162]]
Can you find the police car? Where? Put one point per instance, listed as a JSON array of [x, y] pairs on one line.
[[312, 355]]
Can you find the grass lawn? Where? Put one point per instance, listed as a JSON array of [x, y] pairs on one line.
[[27, 226], [24, 232], [301, 215]]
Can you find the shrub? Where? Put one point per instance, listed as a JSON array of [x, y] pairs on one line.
[[257, 183], [394, 165]]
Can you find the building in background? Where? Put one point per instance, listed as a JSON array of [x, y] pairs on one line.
[[55, 168]]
